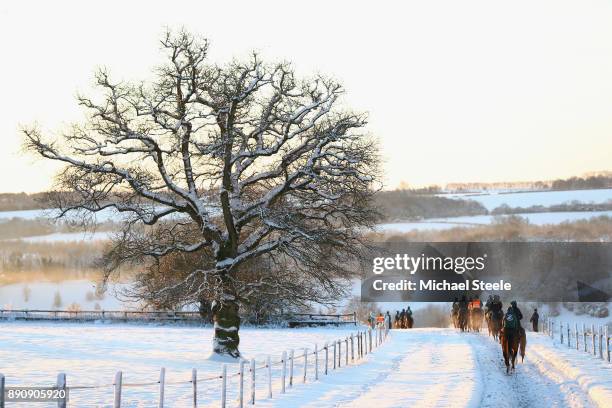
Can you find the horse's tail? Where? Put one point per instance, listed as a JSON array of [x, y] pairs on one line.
[[522, 344]]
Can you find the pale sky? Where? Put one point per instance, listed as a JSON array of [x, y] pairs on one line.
[[456, 90]]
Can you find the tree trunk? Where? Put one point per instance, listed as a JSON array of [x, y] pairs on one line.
[[227, 323], [205, 310]]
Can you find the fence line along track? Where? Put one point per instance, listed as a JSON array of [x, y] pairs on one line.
[[292, 319], [594, 340], [343, 352]]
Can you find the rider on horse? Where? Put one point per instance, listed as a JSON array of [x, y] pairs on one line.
[[496, 307], [513, 339], [487, 307], [517, 312]]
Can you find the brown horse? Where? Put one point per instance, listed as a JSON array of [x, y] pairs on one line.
[[475, 319], [463, 319], [513, 342], [455, 318], [409, 322], [495, 325]]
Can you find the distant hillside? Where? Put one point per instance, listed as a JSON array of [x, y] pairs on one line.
[[401, 205]]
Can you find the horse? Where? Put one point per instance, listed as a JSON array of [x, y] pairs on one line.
[[463, 319], [513, 342], [495, 325], [454, 315], [409, 322], [475, 316]]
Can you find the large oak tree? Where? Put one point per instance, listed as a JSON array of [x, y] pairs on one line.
[[235, 162]]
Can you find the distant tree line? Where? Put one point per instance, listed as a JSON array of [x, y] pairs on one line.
[[565, 207], [579, 183], [21, 201], [595, 181]]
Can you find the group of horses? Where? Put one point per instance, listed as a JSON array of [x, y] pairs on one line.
[[404, 322], [467, 319], [513, 342]]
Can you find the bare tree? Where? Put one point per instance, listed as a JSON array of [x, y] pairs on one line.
[[256, 160]]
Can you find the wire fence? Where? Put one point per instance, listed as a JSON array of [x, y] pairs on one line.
[[292, 368], [594, 340]]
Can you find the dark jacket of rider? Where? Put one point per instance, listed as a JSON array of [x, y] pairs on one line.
[[517, 312]]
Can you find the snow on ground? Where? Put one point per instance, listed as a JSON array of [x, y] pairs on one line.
[[566, 316], [35, 352], [108, 214], [452, 222], [444, 368], [527, 199], [413, 368]]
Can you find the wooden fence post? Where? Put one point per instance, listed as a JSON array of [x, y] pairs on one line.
[[162, 382], [284, 371], [577, 341], [253, 381], [552, 330], [370, 335], [361, 338], [334, 366], [223, 385], [305, 364], [600, 342], [608, 343], [584, 337], [561, 332], [346, 351], [339, 353], [241, 385], [61, 385], [316, 358], [2, 382], [352, 349], [593, 337], [194, 386], [269, 367], [569, 338], [118, 381], [291, 368], [326, 357]]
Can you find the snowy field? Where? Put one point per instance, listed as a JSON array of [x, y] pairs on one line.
[[90, 354], [466, 221], [527, 199], [414, 368]]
